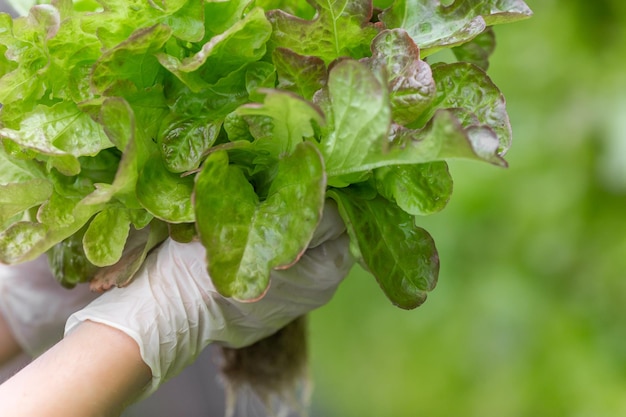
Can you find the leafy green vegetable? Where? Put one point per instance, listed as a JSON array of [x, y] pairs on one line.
[[18, 197], [399, 254], [434, 26], [478, 50], [106, 235], [340, 28], [68, 261], [419, 189], [240, 232], [232, 122]]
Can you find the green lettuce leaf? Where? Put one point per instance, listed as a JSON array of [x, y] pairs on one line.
[[242, 43], [17, 169], [137, 247], [26, 43], [119, 117], [401, 256], [58, 210], [61, 129], [123, 121], [132, 60], [164, 194], [68, 262], [26, 240], [17, 197], [291, 119], [340, 28], [419, 189], [434, 25], [358, 115], [124, 17], [106, 235], [246, 238], [184, 143]]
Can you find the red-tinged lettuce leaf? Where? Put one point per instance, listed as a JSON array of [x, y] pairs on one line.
[[17, 197], [478, 50], [303, 75], [106, 236], [291, 119], [444, 137], [165, 195], [401, 256], [246, 238], [411, 84], [474, 98], [61, 129], [358, 116], [132, 60], [242, 43], [434, 26], [418, 189], [340, 29]]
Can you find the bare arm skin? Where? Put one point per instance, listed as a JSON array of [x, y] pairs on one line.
[[78, 377]]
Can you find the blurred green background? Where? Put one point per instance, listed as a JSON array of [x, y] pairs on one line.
[[528, 318]]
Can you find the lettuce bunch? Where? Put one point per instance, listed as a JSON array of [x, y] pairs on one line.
[[232, 122]]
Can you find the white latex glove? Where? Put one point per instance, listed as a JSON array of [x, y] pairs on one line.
[[173, 311], [35, 306], [21, 7]]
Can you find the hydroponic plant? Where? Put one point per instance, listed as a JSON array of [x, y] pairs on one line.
[[231, 122]]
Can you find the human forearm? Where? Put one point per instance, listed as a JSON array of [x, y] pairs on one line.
[[93, 372]]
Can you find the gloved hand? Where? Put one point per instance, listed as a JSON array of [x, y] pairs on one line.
[[173, 311], [35, 306]]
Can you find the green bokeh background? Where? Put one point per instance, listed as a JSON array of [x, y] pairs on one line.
[[529, 316]]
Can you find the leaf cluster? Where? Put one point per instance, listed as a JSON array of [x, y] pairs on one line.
[[232, 122]]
